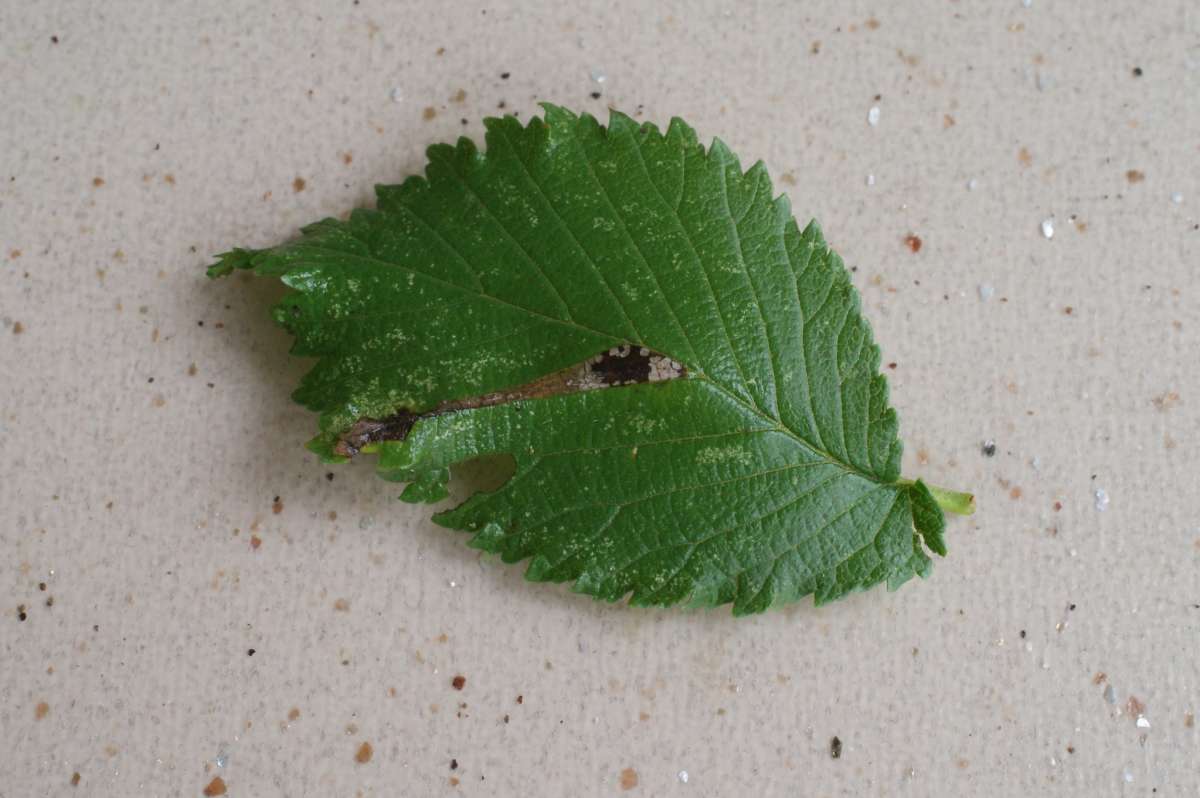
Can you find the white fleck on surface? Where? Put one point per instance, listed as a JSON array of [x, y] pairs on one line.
[[1048, 227], [972, 184], [683, 776], [1101, 497], [1127, 774], [1027, 3], [1142, 722], [870, 180], [599, 76], [986, 291], [1177, 198], [873, 116], [397, 94]]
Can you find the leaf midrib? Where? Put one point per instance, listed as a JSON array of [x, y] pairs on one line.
[[751, 406]]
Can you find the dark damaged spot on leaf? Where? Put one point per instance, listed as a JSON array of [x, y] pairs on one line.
[[621, 365]]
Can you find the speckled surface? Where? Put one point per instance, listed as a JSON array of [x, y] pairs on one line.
[[181, 624]]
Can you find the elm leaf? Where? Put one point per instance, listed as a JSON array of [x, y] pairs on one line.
[[682, 374]]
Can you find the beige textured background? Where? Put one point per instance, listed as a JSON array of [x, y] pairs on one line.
[[151, 135]]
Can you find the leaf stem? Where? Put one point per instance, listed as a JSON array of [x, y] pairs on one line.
[[952, 501]]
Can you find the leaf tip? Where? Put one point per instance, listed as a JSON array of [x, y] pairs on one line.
[[228, 262]]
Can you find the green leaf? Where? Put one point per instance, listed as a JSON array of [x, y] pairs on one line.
[[463, 318]]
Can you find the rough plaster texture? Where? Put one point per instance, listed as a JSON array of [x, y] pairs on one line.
[[148, 136]]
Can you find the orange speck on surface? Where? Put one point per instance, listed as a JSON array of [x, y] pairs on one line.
[[75, 779], [169, 179], [13, 254], [643, 716], [872, 24], [18, 328], [191, 370], [1025, 157], [41, 710], [429, 113], [913, 242], [298, 184], [948, 121], [341, 605], [364, 753], [629, 779], [255, 541], [159, 400], [1165, 402], [215, 787], [459, 682], [97, 181], [277, 506], [453, 781], [1015, 493], [294, 713], [333, 515], [348, 158], [1135, 176], [1057, 507], [459, 96]]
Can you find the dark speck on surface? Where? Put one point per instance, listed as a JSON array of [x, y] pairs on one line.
[[505, 75], [989, 449], [249, 652], [459, 682], [835, 748], [595, 95], [454, 764], [1137, 72]]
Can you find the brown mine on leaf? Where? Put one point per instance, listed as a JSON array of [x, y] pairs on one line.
[[619, 366]]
